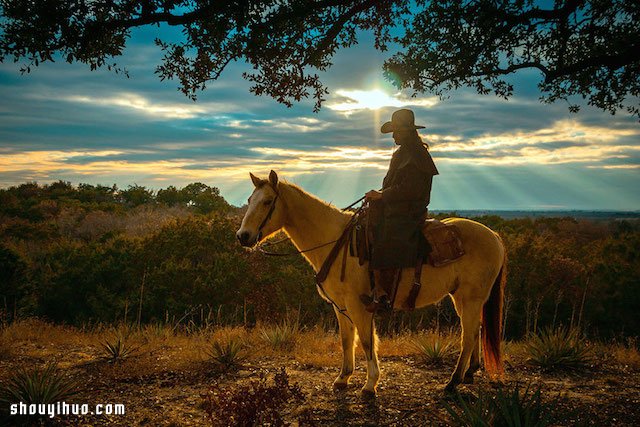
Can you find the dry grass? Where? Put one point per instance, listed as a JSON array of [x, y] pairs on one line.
[[317, 348], [161, 348], [34, 330], [625, 354], [6, 351]]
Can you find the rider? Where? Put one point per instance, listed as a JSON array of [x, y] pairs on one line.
[[398, 211]]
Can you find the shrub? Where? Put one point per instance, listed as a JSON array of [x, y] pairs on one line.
[[434, 348], [283, 336], [560, 348], [117, 349], [43, 385], [253, 404], [227, 354], [505, 408]]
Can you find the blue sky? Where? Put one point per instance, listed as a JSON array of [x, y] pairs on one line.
[[64, 122]]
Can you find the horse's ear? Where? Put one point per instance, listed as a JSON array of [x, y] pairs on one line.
[[273, 179], [256, 181]]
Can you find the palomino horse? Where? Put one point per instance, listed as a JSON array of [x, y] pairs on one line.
[[475, 282]]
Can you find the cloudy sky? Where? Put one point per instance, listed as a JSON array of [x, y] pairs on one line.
[[63, 122]]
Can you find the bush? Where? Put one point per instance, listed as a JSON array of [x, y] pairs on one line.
[[556, 349], [505, 408], [253, 404], [434, 348]]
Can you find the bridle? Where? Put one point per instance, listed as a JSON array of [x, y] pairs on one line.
[[269, 214]]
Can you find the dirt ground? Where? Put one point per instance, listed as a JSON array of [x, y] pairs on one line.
[[164, 385]]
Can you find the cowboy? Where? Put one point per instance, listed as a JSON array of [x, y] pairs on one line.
[[399, 210]]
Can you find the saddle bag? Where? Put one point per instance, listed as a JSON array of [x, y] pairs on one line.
[[445, 241]]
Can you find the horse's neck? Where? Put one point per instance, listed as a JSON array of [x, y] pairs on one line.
[[311, 222]]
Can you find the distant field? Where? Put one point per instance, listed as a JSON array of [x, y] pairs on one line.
[[578, 214]]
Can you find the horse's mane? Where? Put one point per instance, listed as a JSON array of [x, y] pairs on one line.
[[301, 192]]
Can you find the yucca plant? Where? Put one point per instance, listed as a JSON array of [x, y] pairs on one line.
[[117, 349], [504, 408], [227, 354], [560, 348], [283, 336], [42, 385], [434, 349]]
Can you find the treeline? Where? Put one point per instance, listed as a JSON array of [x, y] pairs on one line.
[[99, 254]]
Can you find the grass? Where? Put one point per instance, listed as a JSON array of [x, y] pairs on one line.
[[502, 408], [41, 385], [434, 348], [558, 349]]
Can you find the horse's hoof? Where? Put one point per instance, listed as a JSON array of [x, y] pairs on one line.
[[450, 387], [468, 379], [367, 394], [340, 385]]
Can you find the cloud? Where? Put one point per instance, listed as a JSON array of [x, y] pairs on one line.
[[137, 103], [566, 141]]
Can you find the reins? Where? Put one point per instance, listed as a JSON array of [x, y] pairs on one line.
[[262, 247]]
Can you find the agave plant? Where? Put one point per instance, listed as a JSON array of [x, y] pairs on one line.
[[227, 354], [504, 408], [559, 348], [117, 349], [434, 349], [283, 336], [42, 385]]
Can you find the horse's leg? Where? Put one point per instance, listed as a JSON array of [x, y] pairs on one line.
[[347, 336], [366, 332], [474, 364], [469, 311]]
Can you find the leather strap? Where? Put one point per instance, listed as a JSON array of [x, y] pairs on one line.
[[410, 302], [322, 274]]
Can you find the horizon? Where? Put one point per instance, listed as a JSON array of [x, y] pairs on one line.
[[62, 122]]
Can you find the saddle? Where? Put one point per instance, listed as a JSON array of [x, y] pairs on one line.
[[444, 240], [357, 237]]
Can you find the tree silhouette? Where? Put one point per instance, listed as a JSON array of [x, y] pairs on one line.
[[587, 48]]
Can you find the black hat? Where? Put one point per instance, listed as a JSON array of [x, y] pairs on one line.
[[400, 120]]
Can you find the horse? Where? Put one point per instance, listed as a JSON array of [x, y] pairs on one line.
[[475, 282]]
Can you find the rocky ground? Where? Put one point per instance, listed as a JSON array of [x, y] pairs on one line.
[[166, 381]]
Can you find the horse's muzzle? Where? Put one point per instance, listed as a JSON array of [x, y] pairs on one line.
[[245, 238]]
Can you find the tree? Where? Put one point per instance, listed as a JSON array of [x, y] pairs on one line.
[[136, 195], [587, 48]]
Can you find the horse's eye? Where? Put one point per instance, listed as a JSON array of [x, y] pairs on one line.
[[267, 202]]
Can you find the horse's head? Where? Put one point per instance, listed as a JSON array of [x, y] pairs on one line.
[[265, 213]]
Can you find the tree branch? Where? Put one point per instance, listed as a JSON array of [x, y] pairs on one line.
[[337, 27]]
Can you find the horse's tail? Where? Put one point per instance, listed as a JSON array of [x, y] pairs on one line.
[[492, 323]]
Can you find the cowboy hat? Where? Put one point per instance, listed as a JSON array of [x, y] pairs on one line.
[[400, 120]]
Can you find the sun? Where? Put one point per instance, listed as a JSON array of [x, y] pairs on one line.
[[373, 99]]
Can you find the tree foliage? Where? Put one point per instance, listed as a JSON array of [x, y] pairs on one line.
[[73, 258], [587, 48]]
